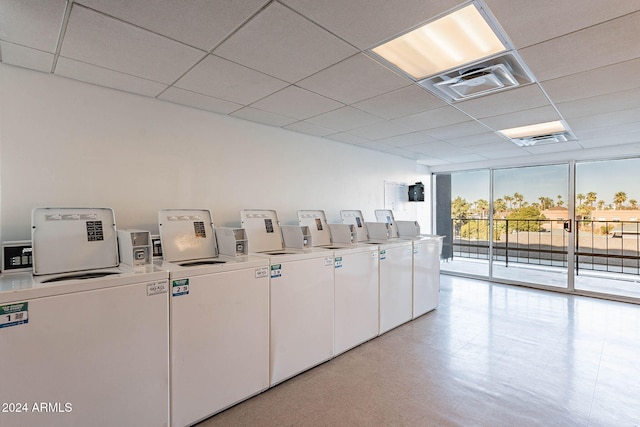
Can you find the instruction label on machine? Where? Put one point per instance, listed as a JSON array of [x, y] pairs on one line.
[[338, 262], [262, 272], [156, 288], [328, 262], [276, 270], [14, 314], [180, 287]]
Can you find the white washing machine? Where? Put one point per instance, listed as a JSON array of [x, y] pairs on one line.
[[84, 341], [426, 261], [395, 271], [355, 282], [301, 282], [219, 318]]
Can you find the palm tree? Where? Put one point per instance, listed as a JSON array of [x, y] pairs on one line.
[[483, 206], [499, 206], [601, 204], [591, 198], [518, 198], [633, 203], [508, 199], [619, 198], [580, 197], [560, 202]]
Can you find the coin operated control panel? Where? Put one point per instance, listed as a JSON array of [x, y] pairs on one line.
[[135, 247], [296, 236], [232, 241], [17, 256]]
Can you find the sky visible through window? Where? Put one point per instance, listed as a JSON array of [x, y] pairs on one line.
[[605, 178]]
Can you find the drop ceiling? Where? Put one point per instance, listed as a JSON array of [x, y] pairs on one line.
[[304, 65]]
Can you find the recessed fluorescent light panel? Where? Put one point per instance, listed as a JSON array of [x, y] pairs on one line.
[[540, 133], [461, 37]]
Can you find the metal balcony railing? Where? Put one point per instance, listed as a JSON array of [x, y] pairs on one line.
[[611, 246]]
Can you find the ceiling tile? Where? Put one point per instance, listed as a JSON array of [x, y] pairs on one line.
[[611, 102], [223, 79], [477, 139], [196, 100], [522, 118], [298, 103], [309, 129], [431, 161], [553, 148], [348, 138], [402, 102], [608, 131], [457, 130], [21, 56], [504, 154], [586, 49], [611, 140], [377, 146], [404, 153], [517, 99], [264, 117], [435, 118], [32, 23], [600, 81], [344, 119], [202, 24], [540, 20], [101, 76], [414, 138], [604, 120], [380, 130], [283, 44], [109, 43], [365, 23], [354, 79], [433, 149], [463, 158]]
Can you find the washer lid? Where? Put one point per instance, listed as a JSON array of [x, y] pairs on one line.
[[73, 239], [186, 234], [355, 217], [318, 228], [386, 215], [263, 230]]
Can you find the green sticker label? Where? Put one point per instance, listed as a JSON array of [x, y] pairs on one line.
[[338, 262], [180, 287], [276, 270], [14, 314]]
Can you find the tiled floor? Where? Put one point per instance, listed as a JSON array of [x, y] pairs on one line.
[[490, 355]]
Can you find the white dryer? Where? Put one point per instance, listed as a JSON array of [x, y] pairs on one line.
[[356, 283], [395, 271], [426, 261], [301, 283], [219, 318], [84, 341]]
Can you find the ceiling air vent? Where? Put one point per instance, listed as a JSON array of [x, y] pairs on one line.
[[489, 76], [550, 138]]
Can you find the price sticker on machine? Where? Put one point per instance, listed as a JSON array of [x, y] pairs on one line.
[[180, 287], [383, 254], [14, 314], [338, 262], [276, 270]]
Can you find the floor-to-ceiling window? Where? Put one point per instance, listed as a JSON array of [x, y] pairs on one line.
[[573, 225], [462, 215], [531, 206], [607, 227]]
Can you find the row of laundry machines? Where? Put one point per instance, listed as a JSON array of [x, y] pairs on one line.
[[226, 314]]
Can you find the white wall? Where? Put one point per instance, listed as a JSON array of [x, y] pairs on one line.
[[66, 143]]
